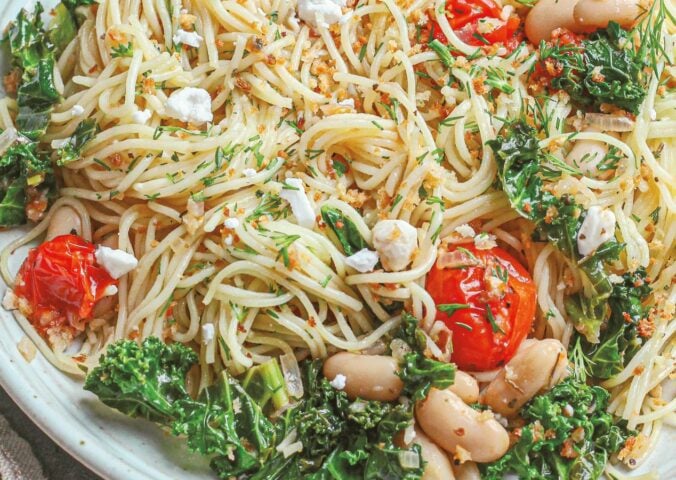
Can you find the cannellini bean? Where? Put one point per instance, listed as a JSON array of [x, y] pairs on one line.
[[548, 15], [64, 220], [593, 14], [532, 370], [371, 377], [465, 387], [451, 423], [586, 155], [466, 471], [437, 464]]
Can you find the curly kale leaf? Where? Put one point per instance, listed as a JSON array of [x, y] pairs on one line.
[[619, 339], [225, 421], [418, 372], [143, 381], [344, 439], [614, 69], [590, 311], [33, 53], [557, 220], [345, 230], [568, 435], [72, 150], [604, 68], [12, 201], [149, 381], [21, 166]]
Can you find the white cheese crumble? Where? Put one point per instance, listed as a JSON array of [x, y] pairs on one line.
[[231, 223], [321, 12], [395, 241], [484, 241], [300, 204], [141, 116], [249, 172], [192, 39], [597, 228], [207, 333], [191, 105], [228, 240], [339, 382], [465, 231], [77, 110], [116, 262], [363, 261]]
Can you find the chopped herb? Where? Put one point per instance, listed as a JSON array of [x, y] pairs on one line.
[[451, 308], [103, 164], [491, 320], [442, 52], [123, 50], [295, 126]]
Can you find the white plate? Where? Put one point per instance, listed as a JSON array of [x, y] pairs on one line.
[[107, 442]]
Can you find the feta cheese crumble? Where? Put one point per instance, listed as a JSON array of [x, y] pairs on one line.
[[116, 262], [77, 110], [339, 382], [299, 202], [207, 333], [597, 228], [321, 12], [249, 172], [363, 261], [465, 231], [141, 116], [484, 241], [192, 105], [192, 39], [395, 241], [231, 223]]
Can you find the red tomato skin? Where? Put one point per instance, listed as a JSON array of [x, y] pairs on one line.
[[476, 347], [61, 283], [464, 16]]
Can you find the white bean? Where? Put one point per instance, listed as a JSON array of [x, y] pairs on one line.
[[437, 464], [465, 387], [548, 15], [64, 221], [531, 371], [466, 471], [451, 423], [371, 377], [593, 14]]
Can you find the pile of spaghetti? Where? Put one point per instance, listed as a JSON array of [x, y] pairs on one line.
[[251, 210]]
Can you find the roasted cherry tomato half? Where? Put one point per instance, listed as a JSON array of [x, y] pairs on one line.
[[464, 16], [487, 300], [59, 283]]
